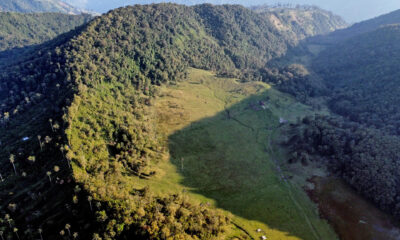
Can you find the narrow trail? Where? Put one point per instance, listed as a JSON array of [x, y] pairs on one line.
[[289, 186], [244, 230], [238, 121]]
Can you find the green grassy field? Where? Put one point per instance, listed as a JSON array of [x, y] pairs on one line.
[[222, 153]]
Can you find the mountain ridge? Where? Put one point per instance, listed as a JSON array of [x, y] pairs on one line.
[[117, 60], [92, 97], [359, 28], [31, 6]]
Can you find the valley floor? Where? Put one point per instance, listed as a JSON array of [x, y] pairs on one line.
[[219, 135]]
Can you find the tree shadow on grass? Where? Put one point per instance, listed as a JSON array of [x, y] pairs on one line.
[[228, 158]]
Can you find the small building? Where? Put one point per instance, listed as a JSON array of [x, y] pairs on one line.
[[263, 237], [282, 120]]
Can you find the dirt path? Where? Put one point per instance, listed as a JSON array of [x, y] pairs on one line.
[[289, 186]]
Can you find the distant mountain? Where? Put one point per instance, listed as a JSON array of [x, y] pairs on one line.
[[360, 28], [301, 21], [21, 30], [30, 6]]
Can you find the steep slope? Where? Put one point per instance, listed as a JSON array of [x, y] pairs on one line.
[[363, 74], [360, 28], [303, 21], [29, 6], [20, 30], [86, 158], [363, 81]]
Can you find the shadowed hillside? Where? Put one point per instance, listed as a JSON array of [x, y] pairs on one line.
[[363, 74], [20, 30]]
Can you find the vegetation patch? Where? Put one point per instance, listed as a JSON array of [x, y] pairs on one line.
[[219, 136]]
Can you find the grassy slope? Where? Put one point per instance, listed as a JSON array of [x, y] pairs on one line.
[[229, 163]]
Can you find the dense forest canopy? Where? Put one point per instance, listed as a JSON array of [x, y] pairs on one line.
[[92, 134], [358, 72], [368, 159], [19, 30], [365, 81], [88, 95]]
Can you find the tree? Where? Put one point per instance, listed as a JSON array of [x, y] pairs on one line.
[[8, 219], [48, 173], [32, 159], [47, 139], [51, 124], [40, 233], [12, 160], [12, 207], [68, 227], [101, 216], [6, 116], [40, 143], [15, 230], [56, 126], [62, 149], [89, 198], [96, 237]]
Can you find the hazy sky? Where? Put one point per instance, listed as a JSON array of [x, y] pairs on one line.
[[350, 10]]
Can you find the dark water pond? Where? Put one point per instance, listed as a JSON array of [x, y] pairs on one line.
[[352, 217]]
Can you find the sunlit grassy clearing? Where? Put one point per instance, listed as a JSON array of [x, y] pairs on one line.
[[227, 163]]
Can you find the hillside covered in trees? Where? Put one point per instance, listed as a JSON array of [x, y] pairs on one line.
[[83, 145], [366, 80], [92, 136], [356, 71], [364, 157], [19, 30]]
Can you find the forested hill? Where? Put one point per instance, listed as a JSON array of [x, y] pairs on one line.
[[20, 30], [360, 28], [362, 76], [29, 6], [91, 134], [302, 21], [363, 72]]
